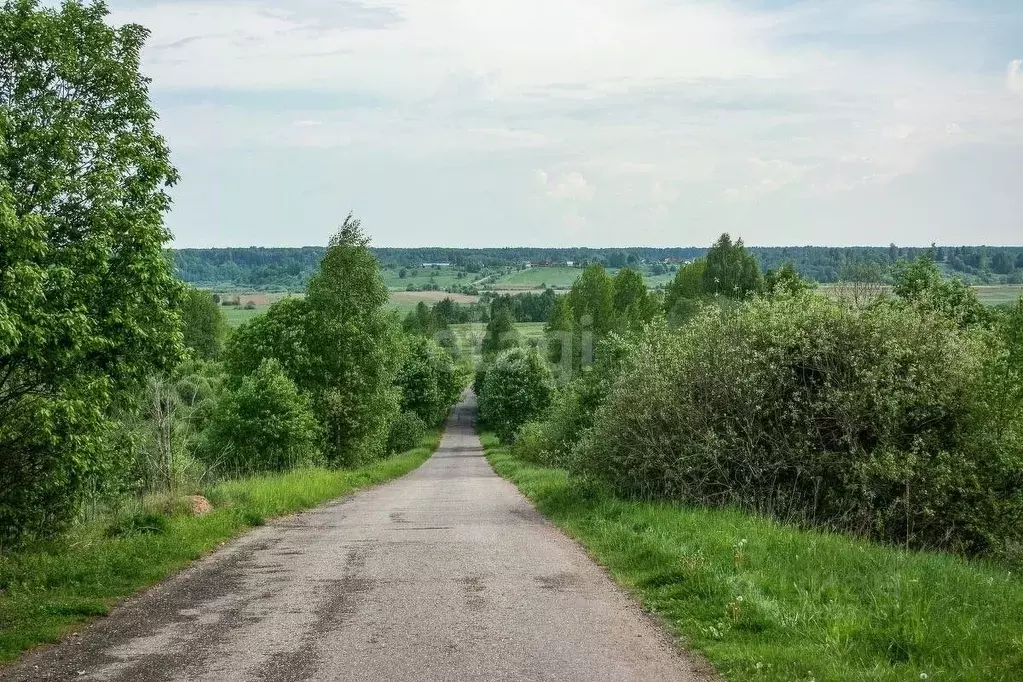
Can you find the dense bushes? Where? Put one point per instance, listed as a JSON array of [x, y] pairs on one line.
[[516, 388], [264, 424], [888, 421], [430, 382], [407, 430]]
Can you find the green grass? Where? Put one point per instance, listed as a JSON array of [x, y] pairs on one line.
[[997, 295], [764, 601], [48, 590], [560, 277], [443, 277], [238, 315], [537, 278]]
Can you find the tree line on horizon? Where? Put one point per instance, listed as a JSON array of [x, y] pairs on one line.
[[292, 268]]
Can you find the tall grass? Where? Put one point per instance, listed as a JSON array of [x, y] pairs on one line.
[[48, 589], [767, 601]]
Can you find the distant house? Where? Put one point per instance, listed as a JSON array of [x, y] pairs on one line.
[[527, 265], [436, 265], [570, 263]]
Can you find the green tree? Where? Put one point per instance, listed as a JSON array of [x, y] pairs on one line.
[[501, 333], [731, 271], [281, 334], [517, 388], [428, 380], [558, 332], [422, 320], [785, 280], [203, 325], [920, 284], [88, 301], [1002, 263], [353, 349], [592, 301], [681, 300], [631, 302], [265, 424]]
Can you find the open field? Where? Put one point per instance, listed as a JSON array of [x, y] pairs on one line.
[[773, 603], [990, 295], [442, 277], [560, 277], [537, 278], [405, 301], [997, 295]]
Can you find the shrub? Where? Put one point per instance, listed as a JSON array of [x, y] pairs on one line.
[[887, 421], [517, 388], [552, 440], [264, 424], [407, 431], [429, 381]]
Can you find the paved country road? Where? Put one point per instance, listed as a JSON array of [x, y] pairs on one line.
[[445, 574]]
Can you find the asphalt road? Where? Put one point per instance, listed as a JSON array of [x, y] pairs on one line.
[[445, 574]]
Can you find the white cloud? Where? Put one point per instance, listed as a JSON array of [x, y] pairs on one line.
[[687, 108], [1014, 80], [570, 187]]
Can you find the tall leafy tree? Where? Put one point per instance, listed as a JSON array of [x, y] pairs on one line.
[[592, 301], [501, 334], [731, 272], [203, 326], [87, 298], [631, 300], [354, 349]]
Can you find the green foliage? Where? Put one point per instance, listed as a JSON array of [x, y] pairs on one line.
[[264, 424], [281, 334], [50, 588], [353, 349], [517, 388], [681, 300], [87, 297], [597, 305], [501, 334], [632, 302], [921, 284], [407, 431], [591, 301], [203, 325], [551, 440], [785, 280], [727, 273], [886, 421], [423, 321], [429, 381], [770, 602]]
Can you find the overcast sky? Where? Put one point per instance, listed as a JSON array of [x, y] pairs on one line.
[[590, 122]]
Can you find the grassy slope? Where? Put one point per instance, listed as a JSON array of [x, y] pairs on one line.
[[47, 591], [443, 277], [769, 602]]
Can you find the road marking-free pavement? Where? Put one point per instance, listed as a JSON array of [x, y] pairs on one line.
[[445, 574]]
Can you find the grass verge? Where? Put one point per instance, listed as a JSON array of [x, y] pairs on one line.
[[48, 590], [765, 601]]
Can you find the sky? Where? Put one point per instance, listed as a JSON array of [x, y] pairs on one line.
[[590, 122]]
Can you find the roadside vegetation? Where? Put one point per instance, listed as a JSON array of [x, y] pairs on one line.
[[128, 407], [774, 602], [52, 586], [775, 469]]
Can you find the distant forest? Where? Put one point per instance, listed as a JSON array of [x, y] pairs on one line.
[[290, 268]]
